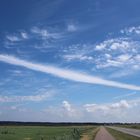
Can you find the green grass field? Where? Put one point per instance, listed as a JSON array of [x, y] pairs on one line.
[[121, 136], [42, 132]]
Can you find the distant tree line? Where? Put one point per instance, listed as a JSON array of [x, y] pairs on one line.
[[61, 123]]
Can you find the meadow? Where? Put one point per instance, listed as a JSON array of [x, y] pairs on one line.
[[70, 132], [43, 132]]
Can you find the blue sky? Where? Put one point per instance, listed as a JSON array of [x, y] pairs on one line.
[[70, 60]]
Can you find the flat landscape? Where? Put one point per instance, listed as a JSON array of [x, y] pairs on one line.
[[43, 132], [69, 132], [69, 69]]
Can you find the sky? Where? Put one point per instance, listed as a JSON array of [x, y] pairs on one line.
[[70, 61]]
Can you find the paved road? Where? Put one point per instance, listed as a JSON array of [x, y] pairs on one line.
[[134, 132], [103, 134]]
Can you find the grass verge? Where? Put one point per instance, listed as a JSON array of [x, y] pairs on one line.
[[121, 136], [134, 126], [90, 134]]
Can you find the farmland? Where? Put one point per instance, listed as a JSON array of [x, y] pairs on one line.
[[43, 132], [46, 131]]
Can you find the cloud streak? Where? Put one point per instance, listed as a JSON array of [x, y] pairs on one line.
[[66, 74], [126, 95], [33, 98]]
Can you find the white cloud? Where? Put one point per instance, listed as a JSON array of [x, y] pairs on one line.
[[131, 30], [109, 63], [100, 46], [120, 111], [63, 112], [13, 38], [24, 35], [78, 52], [69, 110], [124, 57], [120, 105], [108, 55], [33, 98], [116, 54], [123, 104], [118, 61], [45, 34], [121, 53], [121, 44], [71, 28], [41, 32], [66, 74], [114, 112], [67, 106], [80, 57], [95, 107]]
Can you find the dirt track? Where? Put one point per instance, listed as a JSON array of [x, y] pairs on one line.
[[103, 134]]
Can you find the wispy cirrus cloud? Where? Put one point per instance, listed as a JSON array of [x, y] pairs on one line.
[[121, 54], [66, 74], [125, 95], [32, 98], [16, 37], [81, 57], [13, 38], [45, 33], [40, 38]]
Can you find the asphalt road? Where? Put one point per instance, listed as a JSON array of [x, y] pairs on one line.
[[133, 132], [103, 134]]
